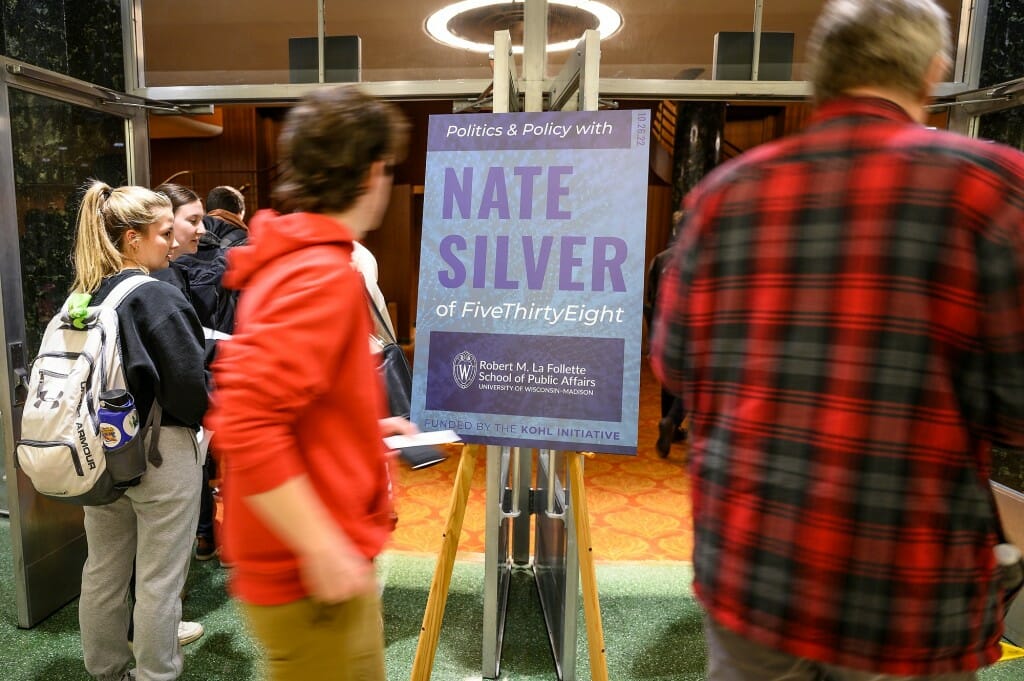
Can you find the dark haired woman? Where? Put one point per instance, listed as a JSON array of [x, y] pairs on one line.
[[123, 232]]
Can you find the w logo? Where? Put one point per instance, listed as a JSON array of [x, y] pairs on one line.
[[464, 369]]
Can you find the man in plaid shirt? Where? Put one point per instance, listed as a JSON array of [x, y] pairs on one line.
[[844, 315]]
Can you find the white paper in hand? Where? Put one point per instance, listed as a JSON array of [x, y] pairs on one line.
[[436, 437], [419, 450]]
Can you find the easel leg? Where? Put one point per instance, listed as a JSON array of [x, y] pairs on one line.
[[423, 664], [588, 577]]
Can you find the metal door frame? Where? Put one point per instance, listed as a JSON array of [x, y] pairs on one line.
[[52, 580]]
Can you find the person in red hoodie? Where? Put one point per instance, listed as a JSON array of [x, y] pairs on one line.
[[298, 405]]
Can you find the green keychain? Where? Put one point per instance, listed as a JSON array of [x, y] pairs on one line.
[[78, 308]]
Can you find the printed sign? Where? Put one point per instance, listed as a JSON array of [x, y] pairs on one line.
[[531, 279]]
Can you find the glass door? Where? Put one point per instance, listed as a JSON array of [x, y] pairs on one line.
[[49, 150], [1006, 126]]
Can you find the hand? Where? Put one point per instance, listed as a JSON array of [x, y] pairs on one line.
[[396, 425], [333, 573]]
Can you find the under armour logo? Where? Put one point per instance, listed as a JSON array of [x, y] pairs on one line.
[[42, 396]]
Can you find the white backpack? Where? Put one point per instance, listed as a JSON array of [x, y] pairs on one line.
[[61, 448]]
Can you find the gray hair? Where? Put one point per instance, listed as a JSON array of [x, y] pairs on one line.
[[882, 43]]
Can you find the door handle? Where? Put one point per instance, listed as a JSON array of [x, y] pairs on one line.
[[20, 387], [20, 370]]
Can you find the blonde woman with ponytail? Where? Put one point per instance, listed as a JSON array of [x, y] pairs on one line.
[[122, 232]]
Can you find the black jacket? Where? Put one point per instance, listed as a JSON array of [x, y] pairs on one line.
[[161, 350]]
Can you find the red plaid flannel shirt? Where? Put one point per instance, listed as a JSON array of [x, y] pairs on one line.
[[844, 317]]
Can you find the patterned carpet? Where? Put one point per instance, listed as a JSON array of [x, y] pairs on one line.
[[639, 506]]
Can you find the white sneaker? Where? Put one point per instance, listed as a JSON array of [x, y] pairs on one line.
[[189, 631]]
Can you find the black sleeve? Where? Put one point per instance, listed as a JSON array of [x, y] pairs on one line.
[[207, 292], [162, 345]]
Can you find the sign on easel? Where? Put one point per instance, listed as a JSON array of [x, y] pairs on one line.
[[531, 279]]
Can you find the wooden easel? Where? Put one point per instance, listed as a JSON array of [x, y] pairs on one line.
[[426, 648], [588, 575], [430, 631]]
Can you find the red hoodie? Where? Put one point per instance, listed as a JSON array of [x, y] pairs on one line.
[[297, 393]]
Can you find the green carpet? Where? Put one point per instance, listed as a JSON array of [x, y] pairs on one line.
[[652, 627]]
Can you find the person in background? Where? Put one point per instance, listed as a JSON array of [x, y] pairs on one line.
[[227, 202], [123, 232], [188, 231], [197, 268], [224, 228], [670, 425], [188, 218], [366, 264], [225, 217], [307, 495], [843, 315]]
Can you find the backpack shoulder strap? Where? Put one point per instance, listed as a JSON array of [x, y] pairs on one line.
[[113, 300], [236, 237], [385, 331], [78, 312], [121, 291]]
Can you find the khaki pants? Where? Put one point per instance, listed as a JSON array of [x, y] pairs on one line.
[[309, 641]]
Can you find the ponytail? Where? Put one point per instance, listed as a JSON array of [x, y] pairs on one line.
[[96, 256], [105, 216]]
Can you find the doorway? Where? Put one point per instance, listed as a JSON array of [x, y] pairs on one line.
[[55, 146]]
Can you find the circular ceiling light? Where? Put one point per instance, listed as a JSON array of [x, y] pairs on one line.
[[457, 25]]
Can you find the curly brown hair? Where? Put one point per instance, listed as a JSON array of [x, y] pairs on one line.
[[327, 145]]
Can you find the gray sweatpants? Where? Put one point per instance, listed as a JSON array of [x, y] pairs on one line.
[[154, 525]]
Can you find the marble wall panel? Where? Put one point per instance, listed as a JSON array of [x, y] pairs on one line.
[[698, 144], [1003, 55], [95, 43], [79, 38], [57, 149]]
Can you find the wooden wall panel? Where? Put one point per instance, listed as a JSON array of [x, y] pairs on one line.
[[797, 116], [748, 125], [205, 162], [659, 220], [268, 128]]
